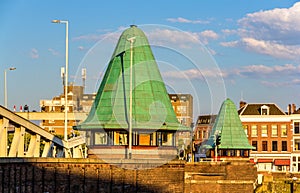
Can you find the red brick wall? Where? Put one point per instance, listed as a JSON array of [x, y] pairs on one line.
[[93, 175]]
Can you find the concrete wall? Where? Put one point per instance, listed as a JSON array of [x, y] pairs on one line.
[[93, 175]]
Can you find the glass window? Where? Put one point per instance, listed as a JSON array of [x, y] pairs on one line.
[[203, 134], [274, 145], [296, 127], [283, 131], [283, 145], [121, 138], [246, 129], [100, 138], [145, 139], [181, 109], [297, 144], [198, 136], [265, 146], [254, 144], [254, 130], [264, 111], [167, 139], [264, 131], [274, 131]]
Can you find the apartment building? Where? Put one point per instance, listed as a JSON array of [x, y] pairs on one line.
[[77, 102], [183, 108], [269, 130]]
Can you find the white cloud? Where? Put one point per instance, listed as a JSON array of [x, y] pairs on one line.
[[271, 48], [229, 44], [245, 71], [89, 37], [256, 71], [109, 36], [281, 84], [81, 48], [180, 38], [34, 53], [208, 35], [184, 20], [195, 74], [277, 24], [271, 32], [53, 52], [159, 36]]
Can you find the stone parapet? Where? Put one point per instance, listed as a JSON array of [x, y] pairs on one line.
[[95, 175]]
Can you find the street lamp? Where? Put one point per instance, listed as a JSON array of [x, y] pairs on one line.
[[66, 76], [131, 40], [5, 86]]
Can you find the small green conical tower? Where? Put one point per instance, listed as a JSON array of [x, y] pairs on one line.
[[229, 128], [132, 61]]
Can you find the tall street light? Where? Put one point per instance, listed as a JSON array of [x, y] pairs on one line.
[[66, 76], [131, 40], [5, 86]]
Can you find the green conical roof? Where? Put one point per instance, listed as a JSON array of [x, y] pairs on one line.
[[229, 126], [151, 106]]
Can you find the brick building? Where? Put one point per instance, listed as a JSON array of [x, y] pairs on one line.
[[295, 130], [269, 130], [203, 128], [77, 102], [183, 107]]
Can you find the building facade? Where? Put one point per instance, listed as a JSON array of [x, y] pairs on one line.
[[269, 130], [183, 107], [77, 102], [203, 128]]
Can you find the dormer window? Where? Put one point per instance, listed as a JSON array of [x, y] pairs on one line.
[[264, 110]]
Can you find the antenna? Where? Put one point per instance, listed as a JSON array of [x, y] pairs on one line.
[[62, 75], [83, 75]]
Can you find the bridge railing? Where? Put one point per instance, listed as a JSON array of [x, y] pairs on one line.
[[21, 138]]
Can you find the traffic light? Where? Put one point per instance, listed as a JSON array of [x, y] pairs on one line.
[[218, 140]]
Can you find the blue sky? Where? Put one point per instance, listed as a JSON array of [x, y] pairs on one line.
[[249, 49]]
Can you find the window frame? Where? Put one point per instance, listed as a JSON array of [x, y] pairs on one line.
[[264, 146], [274, 146], [274, 134], [254, 128], [264, 128]]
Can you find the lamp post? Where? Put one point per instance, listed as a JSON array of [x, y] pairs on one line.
[[217, 141], [130, 97], [5, 86], [66, 76]]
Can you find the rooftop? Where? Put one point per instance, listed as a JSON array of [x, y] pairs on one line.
[[151, 106], [257, 109], [229, 126]]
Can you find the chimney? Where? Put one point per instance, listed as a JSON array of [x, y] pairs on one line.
[[242, 103], [289, 108], [293, 108]]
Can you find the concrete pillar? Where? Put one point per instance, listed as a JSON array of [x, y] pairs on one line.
[[47, 152], [17, 143], [34, 146], [21, 143], [3, 136], [77, 152]]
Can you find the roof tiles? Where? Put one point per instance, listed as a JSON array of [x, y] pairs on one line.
[[228, 125], [151, 106]]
